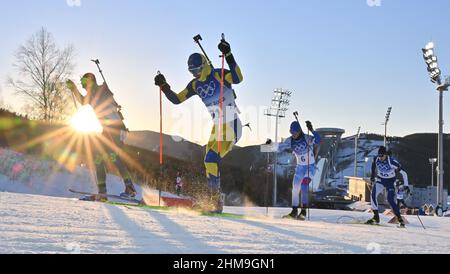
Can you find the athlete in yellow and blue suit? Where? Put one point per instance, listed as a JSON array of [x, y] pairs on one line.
[[207, 85]]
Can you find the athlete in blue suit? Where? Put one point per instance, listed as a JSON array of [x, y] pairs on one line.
[[384, 175], [303, 147]]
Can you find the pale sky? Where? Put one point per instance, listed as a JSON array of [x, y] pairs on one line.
[[346, 61]]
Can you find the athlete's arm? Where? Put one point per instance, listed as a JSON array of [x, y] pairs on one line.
[[73, 88], [178, 98], [405, 177], [317, 138], [374, 170], [234, 75], [284, 145]]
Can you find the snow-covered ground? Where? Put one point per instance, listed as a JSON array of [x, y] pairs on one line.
[[42, 224], [39, 215]]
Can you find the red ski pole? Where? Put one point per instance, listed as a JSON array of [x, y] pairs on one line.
[[160, 136], [309, 202], [160, 126], [222, 79]]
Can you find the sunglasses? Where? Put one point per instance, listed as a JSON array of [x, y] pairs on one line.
[[196, 71]]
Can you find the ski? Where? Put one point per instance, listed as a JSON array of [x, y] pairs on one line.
[[167, 208], [132, 200], [288, 217], [395, 221], [349, 220], [298, 218]]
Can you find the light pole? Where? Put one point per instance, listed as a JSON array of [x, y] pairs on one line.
[[356, 151], [388, 116], [280, 104], [435, 75], [432, 162], [366, 160]]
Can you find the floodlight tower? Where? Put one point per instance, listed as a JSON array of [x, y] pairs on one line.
[[386, 121], [278, 108], [435, 76]]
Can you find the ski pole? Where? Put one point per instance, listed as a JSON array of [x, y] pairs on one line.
[[267, 185], [309, 186], [296, 116], [222, 79], [97, 62], [420, 220], [160, 125], [161, 162], [197, 40]]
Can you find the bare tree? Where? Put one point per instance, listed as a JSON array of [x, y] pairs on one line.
[[43, 69]]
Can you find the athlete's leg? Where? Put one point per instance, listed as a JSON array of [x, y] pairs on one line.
[[306, 185], [100, 170], [231, 134], [297, 185], [389, 184], [376, 191], [115, 149]]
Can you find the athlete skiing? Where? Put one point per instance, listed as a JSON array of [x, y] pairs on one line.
[[384, 174], [179, 184], [207, 85], [303, 146], [108, 113]]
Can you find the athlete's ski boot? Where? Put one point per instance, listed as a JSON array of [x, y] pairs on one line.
[[302, 215], [375, 220], [292, 215], [130, 191], [401, 222], [217, 201], [95, 198]]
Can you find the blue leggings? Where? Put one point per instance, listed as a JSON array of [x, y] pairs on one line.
[[378, 187], [298, 184]]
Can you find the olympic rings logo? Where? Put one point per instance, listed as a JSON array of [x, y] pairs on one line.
[[384, 167], [206, 90], [300, 148]]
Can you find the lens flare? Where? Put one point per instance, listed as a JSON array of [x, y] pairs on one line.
[[85, 121]]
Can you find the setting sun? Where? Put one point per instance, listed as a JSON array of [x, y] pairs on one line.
[[85, 120]]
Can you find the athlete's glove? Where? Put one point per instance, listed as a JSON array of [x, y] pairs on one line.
[[160, 81], [309, 126], [406, 189], [70, 85], [224, 47]]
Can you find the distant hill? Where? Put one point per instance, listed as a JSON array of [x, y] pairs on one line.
[[414, 152], [173, 146]]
